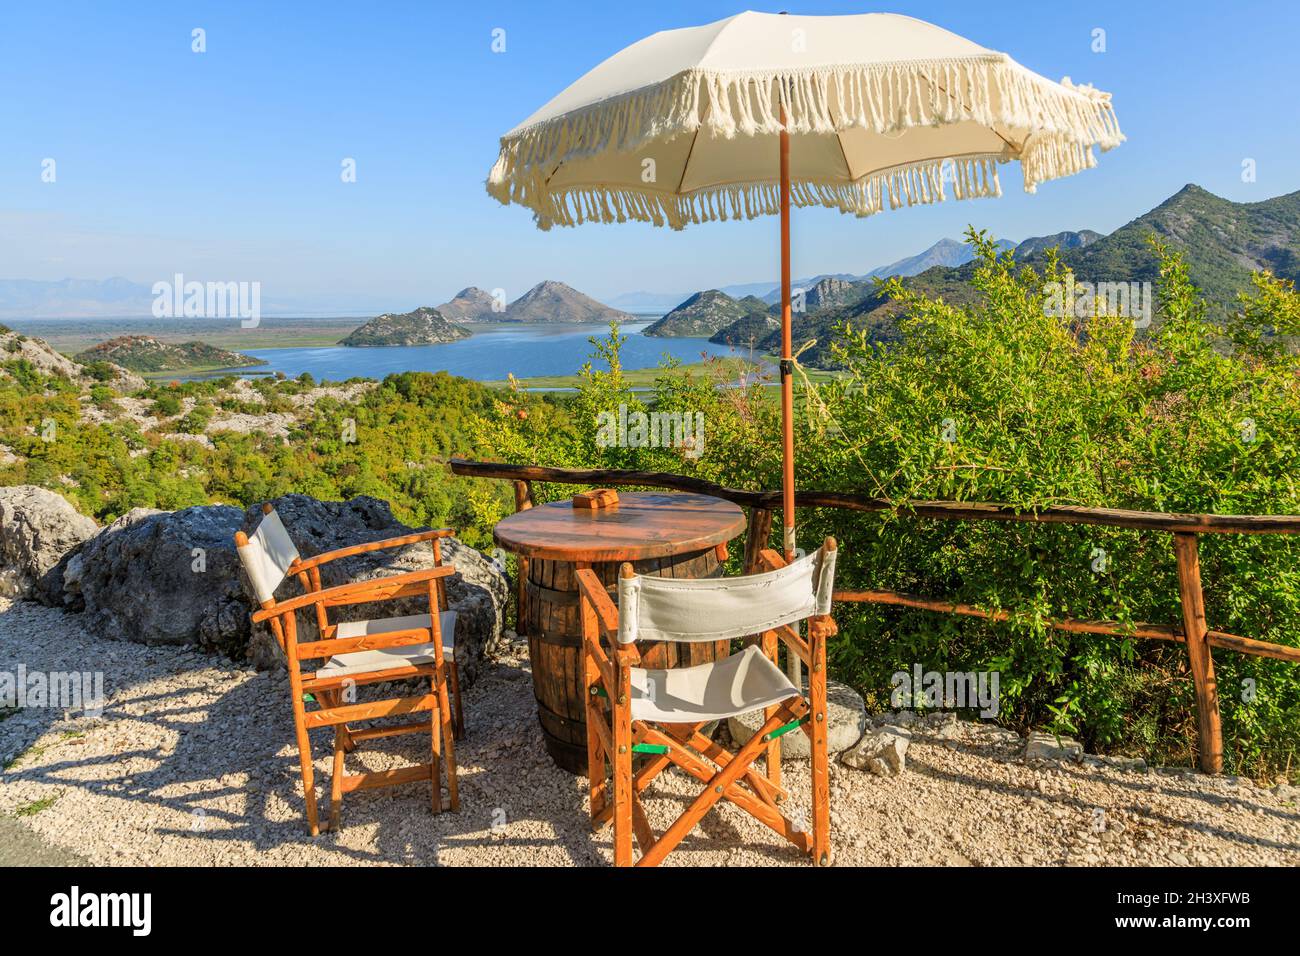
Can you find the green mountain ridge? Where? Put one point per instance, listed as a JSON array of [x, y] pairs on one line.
[[1222, 241]]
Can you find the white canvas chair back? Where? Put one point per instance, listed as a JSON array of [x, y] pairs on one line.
[[667, 609], [268, 555]]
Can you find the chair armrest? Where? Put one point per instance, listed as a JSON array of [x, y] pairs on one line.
[[822, 627], [769, 560], [360, 592], [589, 586], [304, 564], [591, 590]]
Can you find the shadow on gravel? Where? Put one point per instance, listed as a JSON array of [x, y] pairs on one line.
[[1138, 808]]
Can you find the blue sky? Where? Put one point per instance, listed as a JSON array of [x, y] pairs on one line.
[[226, 164]]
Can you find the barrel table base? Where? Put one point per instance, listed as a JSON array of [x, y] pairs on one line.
[[555, 645]]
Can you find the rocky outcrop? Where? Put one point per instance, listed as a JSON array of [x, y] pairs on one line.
[[37, 529], [478, 594], [702, 315], [424, 326], [472, 305], [15, 346], [164, 577], [174, 577], [831, 293]]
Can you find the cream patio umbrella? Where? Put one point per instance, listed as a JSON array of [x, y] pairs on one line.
[[751, 114]]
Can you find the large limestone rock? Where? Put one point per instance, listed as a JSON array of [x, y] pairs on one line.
[[37, 529], [478, 595], [164, 577], [174, 577]]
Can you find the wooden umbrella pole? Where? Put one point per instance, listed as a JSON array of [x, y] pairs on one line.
[[794, 667], [787, 358]]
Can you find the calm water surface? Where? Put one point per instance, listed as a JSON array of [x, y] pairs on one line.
[[488, 355]]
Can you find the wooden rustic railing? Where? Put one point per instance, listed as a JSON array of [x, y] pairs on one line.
[[1194, 632]]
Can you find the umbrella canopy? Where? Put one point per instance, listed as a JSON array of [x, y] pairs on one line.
[[750, 115], [875, 105]]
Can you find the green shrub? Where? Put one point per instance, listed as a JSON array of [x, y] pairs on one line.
[[1000, 401], [165, 405]]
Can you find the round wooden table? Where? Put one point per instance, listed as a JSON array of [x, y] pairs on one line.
[[664, 533]]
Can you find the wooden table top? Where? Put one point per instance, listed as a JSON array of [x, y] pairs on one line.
[[644, 524]]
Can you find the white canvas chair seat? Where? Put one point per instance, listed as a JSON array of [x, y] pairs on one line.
[[742, 682], [364, 662]]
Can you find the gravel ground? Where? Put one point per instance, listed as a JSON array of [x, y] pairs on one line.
[[192, 763]]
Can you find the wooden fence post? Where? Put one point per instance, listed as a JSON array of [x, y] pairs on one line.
[[523, 501], [1195, 631], [756, 537]]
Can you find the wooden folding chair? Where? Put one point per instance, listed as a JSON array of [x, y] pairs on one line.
[[660, 713], [357, 653]]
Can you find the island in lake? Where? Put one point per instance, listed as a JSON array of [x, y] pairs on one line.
[[424, 326], [144, 353]]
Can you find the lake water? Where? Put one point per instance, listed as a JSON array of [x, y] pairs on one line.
[[488, 355]]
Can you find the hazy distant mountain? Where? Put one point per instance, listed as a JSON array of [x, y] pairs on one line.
[[946, 252], [556, 302], [705, 313], [121, 298], [647, 302], [144, 353], [37, 299], [471, 305], [424, 326]]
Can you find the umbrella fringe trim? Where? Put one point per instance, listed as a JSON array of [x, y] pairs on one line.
[[914, 184], [994, 91]]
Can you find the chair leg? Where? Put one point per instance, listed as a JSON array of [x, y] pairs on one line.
[[597, 789], [717, 785], [304, 759], [455, 694], [622, 757], [449, 740], [336, 778], [821, 785], [435, 736], [772, 760]]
